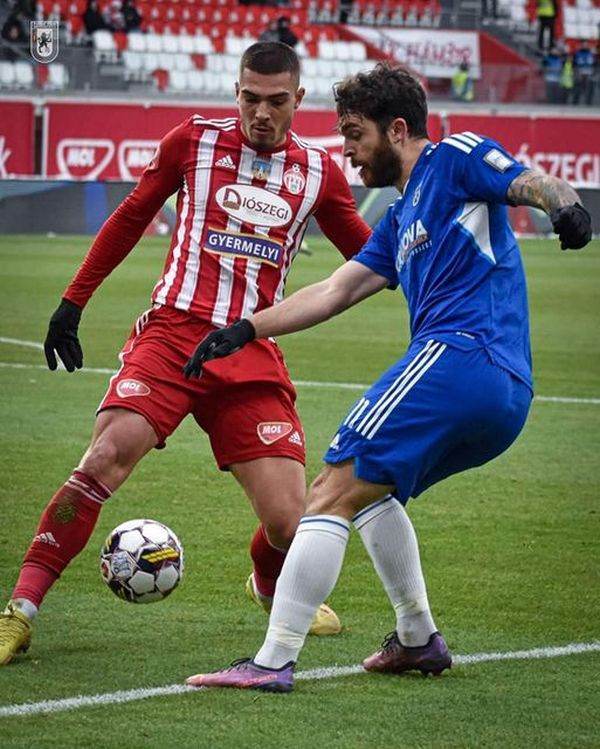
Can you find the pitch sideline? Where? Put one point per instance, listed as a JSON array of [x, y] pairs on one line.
[[357, 386], [316, 674]]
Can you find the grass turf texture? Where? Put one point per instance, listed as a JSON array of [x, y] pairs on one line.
[[510, 551]]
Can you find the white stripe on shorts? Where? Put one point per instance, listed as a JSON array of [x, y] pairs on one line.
[[431, 360], [382, 401]]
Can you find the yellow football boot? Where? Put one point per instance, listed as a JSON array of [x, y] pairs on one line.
[[15, 633], [326, 621]]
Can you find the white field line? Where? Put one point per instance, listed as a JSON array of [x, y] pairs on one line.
[[333, 672], [358, 386]]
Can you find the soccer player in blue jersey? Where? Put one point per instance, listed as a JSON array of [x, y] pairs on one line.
[[458, 397]]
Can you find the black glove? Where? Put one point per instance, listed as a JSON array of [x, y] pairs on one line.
[[62, 337], [573, 224], [218, 344]]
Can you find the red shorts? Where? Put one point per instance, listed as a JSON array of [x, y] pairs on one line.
[[245, 402]]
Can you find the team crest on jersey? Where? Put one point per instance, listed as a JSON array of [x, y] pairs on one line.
[[261, 169], [271, 431], [294, 180]]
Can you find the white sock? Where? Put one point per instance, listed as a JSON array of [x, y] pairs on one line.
[[310, 572], [25, 607], [390, 539]]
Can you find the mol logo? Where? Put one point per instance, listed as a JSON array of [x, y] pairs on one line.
[[130, 388], [271, 431], [254, 205], [83, 158], [133, 156]]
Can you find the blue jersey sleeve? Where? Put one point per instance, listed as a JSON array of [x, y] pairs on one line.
[[379, 253], [482, 169]]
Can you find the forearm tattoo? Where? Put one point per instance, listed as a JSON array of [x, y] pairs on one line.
[[541, 191]]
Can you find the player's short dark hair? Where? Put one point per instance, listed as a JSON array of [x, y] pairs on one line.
[[382, 95], [267, 58]]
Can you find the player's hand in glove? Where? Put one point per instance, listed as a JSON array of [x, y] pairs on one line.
[[218, 344], [62, 337], [573, 224]]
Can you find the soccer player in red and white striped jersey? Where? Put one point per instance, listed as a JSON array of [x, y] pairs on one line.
[[246, 187]]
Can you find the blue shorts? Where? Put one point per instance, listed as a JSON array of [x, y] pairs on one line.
[[438, 411]]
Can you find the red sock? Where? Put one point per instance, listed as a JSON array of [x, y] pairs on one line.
[[268, 562], [63, 531]]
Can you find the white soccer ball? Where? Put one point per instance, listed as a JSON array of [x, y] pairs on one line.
[[142, 561]]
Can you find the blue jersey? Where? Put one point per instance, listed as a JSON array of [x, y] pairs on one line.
[[448, 243]]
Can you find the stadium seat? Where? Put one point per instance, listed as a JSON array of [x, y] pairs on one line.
[[170, 43], [202, 45], [195, 79], [7, 74], [178, 80], [309, 67], [326, 50], [103, 41], [186, 44], [215, 63], [183, 62], [153, 43], [358, 51], [227, 83], [166, 61], [150, 61], [23, 74], [133, 62], [136, 42], [324, 68], [58, 78]]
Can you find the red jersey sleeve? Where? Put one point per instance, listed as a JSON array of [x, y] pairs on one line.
[[337, 215], [123, 229]]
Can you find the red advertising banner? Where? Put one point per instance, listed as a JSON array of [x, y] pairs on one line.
[[563, 147], [16, 138], [116, 141]]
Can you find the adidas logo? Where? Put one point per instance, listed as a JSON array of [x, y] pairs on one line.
[[295, 439], [47, 538], [226, 161], [335, 443]]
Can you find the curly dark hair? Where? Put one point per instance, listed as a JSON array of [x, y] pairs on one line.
[[382, 94], [271, 57]]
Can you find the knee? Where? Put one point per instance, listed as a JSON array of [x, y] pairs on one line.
[[327, 498], [105, 461]]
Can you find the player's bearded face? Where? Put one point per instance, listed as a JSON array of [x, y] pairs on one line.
[[267, 104], [383, 167], [370, 151]]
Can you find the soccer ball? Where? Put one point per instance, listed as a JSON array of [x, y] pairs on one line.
[[142, 561]]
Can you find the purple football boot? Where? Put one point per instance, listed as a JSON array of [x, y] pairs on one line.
[[245, 674], [395, 658]]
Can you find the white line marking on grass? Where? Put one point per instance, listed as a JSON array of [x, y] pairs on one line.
[[315, 674], [18, 342], [358, 386]]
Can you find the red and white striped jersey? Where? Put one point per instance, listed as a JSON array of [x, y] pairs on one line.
[[241, 216]]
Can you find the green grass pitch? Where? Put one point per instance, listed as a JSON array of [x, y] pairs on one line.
[[511, 551]]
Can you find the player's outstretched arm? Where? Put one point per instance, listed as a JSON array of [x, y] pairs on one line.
[[311, 305], [570, 220]]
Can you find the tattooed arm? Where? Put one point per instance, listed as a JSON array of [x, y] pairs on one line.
[[570, 220], [541, 191]]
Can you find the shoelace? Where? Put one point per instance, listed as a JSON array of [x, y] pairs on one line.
[[239, 662], [12, 627], [390, 640]]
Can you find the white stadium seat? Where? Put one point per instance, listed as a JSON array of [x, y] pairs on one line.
[[150, 61], [170, 43], [202, 45], [58, 78], [215, 63], [195, 80], [186, 44], [136, 42], [309, 67], [103, 41], [23, 74], [227, 83], [324, 68], [7, 74], [178, 80], [166, 61], [326, 50], [153, 43], [133, 61], [183, 62]]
